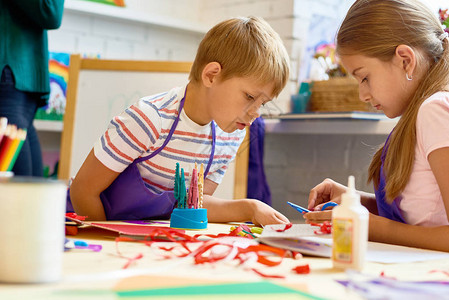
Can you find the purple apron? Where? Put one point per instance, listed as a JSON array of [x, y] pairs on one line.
[[258, 187], [390, 211], [127, 198]]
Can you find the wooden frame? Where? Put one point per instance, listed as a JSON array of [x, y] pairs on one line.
[[78, 64], [241, 169]]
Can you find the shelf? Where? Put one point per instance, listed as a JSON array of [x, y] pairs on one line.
[[46, 125], [331, 123], [291, 125], [345, 115], [124, 13]]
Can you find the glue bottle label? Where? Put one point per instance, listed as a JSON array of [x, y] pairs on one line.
[[342, 239]]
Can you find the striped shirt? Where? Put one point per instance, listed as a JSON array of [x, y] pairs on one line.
[[143, 127]]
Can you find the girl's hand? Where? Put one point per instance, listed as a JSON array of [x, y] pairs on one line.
[[318, 216], [263, 214], [326, 191]]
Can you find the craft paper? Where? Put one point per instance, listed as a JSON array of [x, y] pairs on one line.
[[301, 238], [239, 290], [370, 287], [130, 230]]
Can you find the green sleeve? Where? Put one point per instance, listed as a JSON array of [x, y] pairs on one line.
[[45, 13]]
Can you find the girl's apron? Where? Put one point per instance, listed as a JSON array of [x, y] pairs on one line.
[[390, 211], [127, 198]]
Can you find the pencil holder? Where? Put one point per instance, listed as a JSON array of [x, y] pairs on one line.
[[184, 218]]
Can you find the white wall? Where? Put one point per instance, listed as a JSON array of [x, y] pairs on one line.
[[115, 38]]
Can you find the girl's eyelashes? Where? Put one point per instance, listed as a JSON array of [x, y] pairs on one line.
[[364, 80], [250, 97]]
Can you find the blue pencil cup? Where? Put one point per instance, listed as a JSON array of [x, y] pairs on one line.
[[300, 101], [185, 218]]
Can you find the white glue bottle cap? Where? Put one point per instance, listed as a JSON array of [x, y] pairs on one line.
[[350, 197]]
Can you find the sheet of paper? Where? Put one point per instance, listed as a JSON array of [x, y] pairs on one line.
[[132, 229], [373, 287], [389, 254], [301, 238], [247, 290]]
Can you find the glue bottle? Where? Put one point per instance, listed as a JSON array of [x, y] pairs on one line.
[[349, 230]]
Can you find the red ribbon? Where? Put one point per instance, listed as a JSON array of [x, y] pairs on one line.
[[287, 226], [303, 269], [325, 227], [240, 249], [75, 216]]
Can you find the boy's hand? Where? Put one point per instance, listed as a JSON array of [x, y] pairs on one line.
[[263, 214]]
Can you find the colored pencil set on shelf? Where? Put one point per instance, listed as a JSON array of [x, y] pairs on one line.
[[191, 198], [11, 142]]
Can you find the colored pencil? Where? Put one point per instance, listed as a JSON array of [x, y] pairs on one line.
[[12, 149], [21, 139], [201, 186], [3, 125], [5, 145]]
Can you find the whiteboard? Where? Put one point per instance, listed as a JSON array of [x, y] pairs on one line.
[[103, 99], [98, 90]]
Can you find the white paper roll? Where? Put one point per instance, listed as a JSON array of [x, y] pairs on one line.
[[32, 216]]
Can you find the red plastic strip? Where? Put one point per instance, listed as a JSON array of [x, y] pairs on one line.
[[325, 227], [75, 216], [440, 271], [268, 276], [287, 226], [303, 269]]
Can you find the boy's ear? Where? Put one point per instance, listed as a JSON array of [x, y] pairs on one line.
[[406, 57], [210, 73]]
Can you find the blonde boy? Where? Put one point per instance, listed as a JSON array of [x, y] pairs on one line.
[[240, 65]]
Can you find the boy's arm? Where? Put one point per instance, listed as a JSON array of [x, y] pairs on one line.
[[238, 210], [92, 178]]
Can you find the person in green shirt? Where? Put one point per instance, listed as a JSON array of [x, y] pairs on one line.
[[24, 83]]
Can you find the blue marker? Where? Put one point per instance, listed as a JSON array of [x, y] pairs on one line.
[[305, 210]]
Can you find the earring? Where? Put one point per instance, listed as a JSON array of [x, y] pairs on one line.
[[408, 78]]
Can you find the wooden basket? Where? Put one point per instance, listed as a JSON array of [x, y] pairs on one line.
[[337, 94]]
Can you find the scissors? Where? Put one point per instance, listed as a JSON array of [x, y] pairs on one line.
[[305, 210]]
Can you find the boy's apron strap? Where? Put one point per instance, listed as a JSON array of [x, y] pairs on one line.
[[167, 139], [211, 158]]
